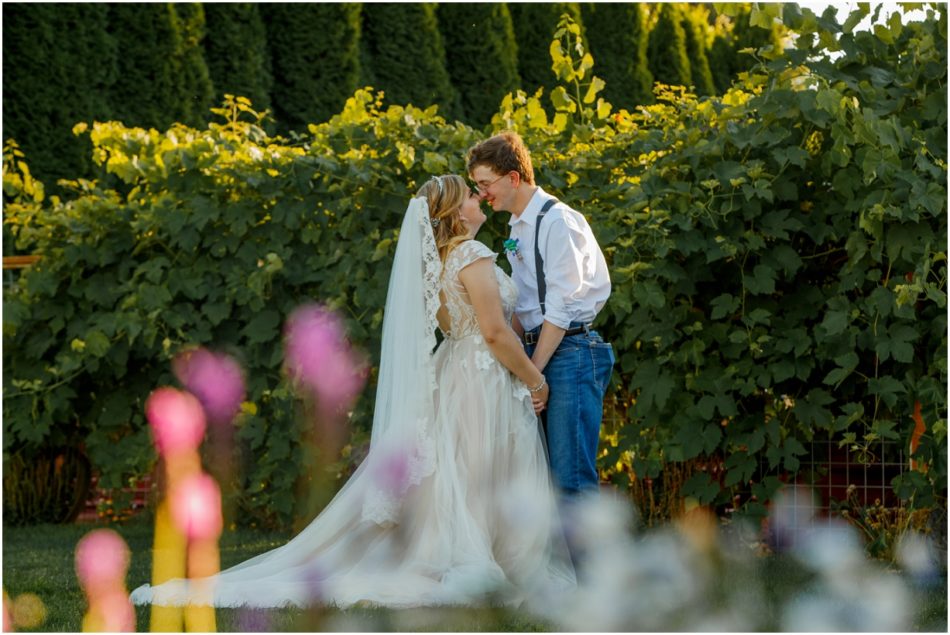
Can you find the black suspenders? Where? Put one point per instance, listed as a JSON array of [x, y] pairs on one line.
[[538, 262]]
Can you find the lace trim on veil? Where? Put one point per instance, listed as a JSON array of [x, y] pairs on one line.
[[382, 505], [431, 274]]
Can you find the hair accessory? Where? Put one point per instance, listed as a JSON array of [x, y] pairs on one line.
[[435, 221], [438, 180]]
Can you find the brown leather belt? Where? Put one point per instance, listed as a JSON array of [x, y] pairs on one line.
[[531, 337]]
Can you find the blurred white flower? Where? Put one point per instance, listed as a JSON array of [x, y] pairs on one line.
[[915, 554], [831, 548], [874, 602], [793, 510]]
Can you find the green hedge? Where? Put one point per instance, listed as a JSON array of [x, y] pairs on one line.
[[778, 258], [481, 56], [237, 53], [314, 50], [407, 55], [617, 35], [58, 66], [150, 65], [694, 29], [535, 23], [666, 51]]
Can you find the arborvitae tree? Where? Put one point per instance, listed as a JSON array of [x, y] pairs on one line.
[[694, 29], [149, 89], [52, 82], [666, 52], [197, 91], [367, 76], [617, 38], [236, 52], [481, 56], [720, 61], [407, 55], [535, 24], [314, 51]]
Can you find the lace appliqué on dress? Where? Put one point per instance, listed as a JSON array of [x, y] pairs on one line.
[[483, 360]]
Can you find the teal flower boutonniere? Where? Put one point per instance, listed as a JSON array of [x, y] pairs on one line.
[[512, 247]]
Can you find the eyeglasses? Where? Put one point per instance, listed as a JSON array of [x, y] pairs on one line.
[[481, 188]]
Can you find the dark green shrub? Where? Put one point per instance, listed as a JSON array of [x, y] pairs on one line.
[[720, 61], [197, 91], [481, 56], [58, 63], [236, 52], [314, 50], [407, 55], [617, 36], [666, 51], [149, 86], [695, 31], [535, 24]]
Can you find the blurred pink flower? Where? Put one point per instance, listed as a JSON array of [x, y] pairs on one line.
[[102, 559], [216, 379], [177, 420], [253, 620], [196, 507], [319, 357], [392, 471], [112, 613], [7, 618]]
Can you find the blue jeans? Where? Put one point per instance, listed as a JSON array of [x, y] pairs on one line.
[[578, 374]]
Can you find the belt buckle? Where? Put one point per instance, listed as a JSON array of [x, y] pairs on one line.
[[529, 338]]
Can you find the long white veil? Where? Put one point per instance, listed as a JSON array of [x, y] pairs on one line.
[[405, 393]]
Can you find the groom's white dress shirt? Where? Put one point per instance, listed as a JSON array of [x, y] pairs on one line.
[[577, 281]]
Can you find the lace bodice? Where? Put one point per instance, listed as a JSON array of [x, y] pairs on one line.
[[457, 303]]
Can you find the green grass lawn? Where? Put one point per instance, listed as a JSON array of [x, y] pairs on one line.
[[39, 560]]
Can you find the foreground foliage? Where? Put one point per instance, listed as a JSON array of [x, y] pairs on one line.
[[777, 255]]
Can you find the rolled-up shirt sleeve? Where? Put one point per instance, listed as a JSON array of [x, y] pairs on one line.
[[564, 266]]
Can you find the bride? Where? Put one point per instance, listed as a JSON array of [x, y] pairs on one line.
[[454, 502]]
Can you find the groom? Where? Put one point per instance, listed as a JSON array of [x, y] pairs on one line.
[[562, 283]]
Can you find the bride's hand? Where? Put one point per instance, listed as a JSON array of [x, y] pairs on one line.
[[540, 399]]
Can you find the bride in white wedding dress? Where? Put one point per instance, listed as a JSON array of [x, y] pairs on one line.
[[454, 503]]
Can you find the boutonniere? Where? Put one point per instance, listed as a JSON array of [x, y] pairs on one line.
[[512, 247]]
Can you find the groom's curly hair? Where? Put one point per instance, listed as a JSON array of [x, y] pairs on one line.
[[503, 153]]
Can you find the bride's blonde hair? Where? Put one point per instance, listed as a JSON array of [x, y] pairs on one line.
[[445, 195]]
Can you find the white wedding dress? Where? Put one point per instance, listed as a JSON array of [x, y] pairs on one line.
[[472, 521]]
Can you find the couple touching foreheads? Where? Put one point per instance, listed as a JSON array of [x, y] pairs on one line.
[[471, 515]]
